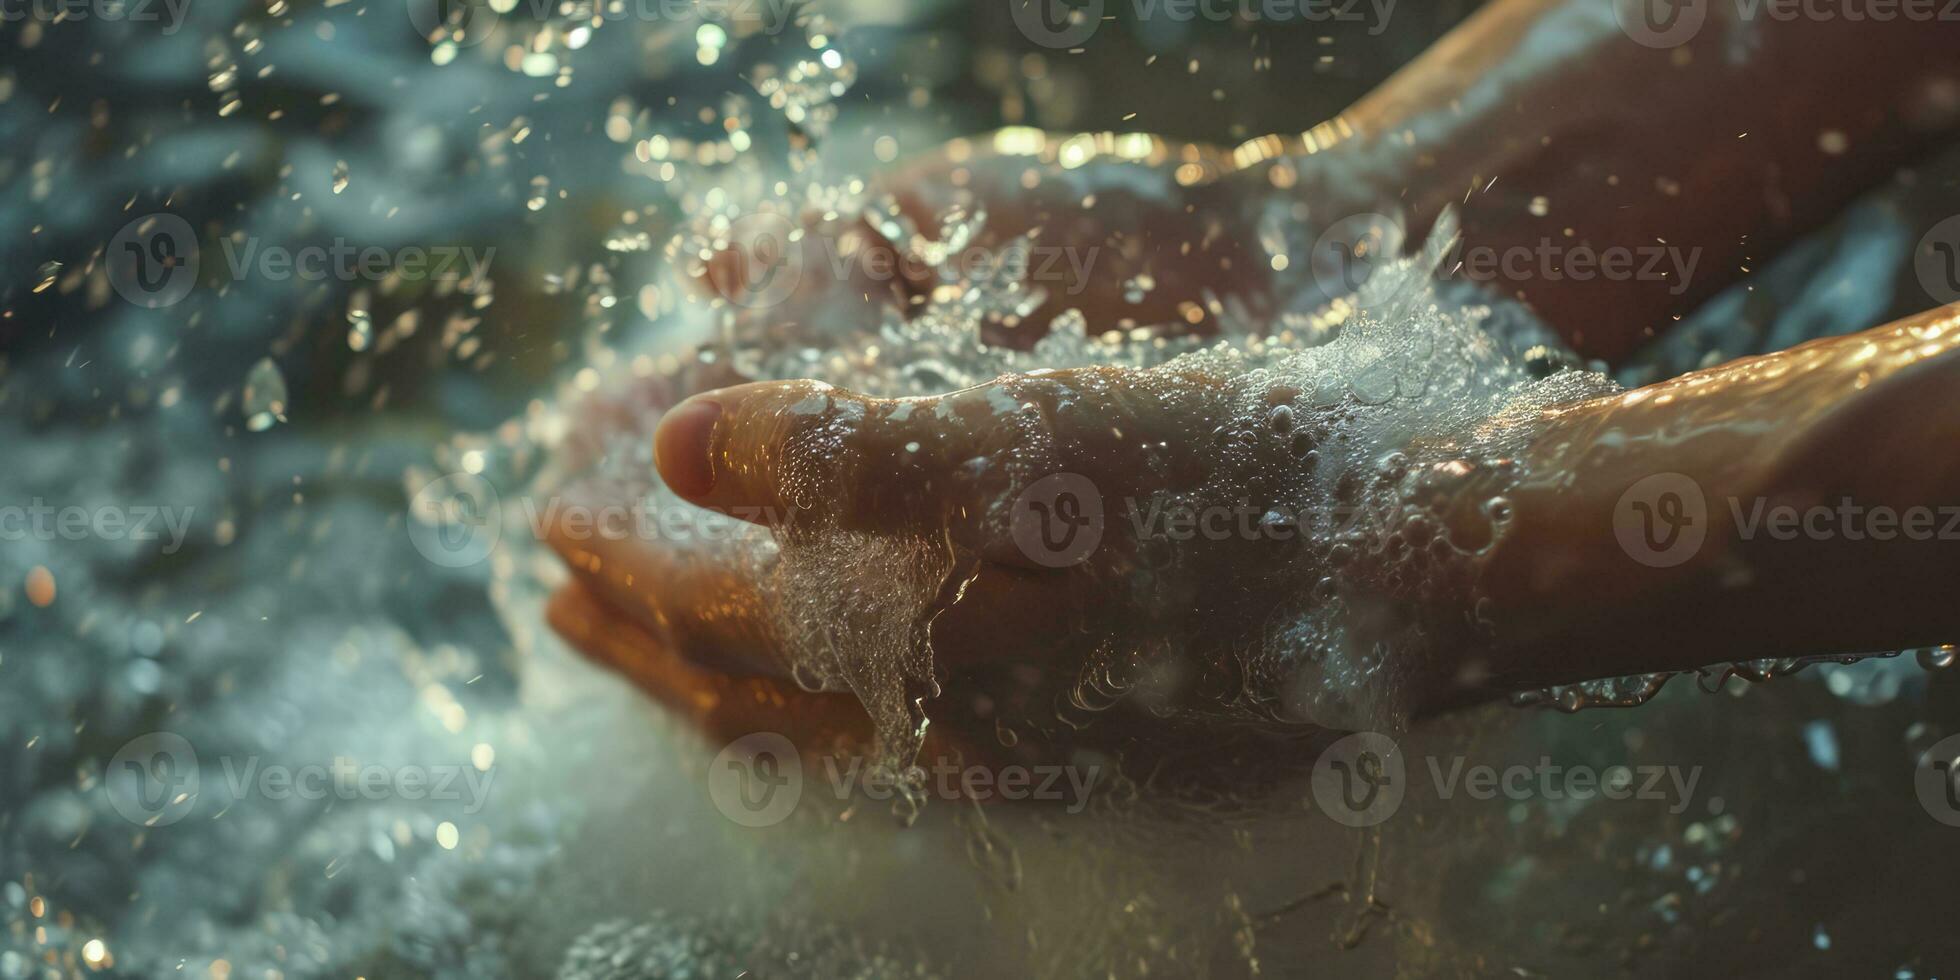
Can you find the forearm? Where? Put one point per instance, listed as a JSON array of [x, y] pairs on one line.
[[1798, 504], [1546, 124]]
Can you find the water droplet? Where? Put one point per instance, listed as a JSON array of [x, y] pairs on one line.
[[1937, 658], [1281, 419], [265, 396], [1499, 509]]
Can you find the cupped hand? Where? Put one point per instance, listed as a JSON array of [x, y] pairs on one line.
[[1568, 592], [1130, 230], [1170, 538]]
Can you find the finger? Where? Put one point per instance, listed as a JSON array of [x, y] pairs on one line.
[[786, 450], [721, 705], [712, 601], [702, 599], [726, 707]]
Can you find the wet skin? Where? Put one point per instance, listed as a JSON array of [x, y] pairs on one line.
[[1864, 416]]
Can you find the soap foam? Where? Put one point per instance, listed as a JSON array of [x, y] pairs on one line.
[[1371, 423]]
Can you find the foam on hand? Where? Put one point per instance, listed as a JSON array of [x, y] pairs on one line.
[[1374, 429]]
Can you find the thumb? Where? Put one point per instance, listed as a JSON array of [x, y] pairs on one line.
[[776, 450]]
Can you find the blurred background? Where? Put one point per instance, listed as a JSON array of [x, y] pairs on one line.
[[490, 196]]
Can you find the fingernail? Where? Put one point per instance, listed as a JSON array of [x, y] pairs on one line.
[[682, 444]]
